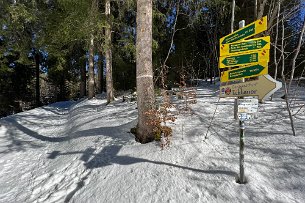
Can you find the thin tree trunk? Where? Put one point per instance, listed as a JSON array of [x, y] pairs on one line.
[[37, 73], [108, 54], [262, 5], [145, 86], [272, 16], [83, 78], [164, 66], [284, 80], [255, 9], [297, 50], [91, 92], [233, 16], [276, 63], [100, 73]]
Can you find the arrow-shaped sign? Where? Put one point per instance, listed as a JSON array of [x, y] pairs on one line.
[[245, 72], [245, 32], [264, 87], [247, 45], [244, 59]]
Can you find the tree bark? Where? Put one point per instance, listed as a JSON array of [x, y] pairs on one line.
[[276, 63], [284, 80], [272, 16], [100, 73], [297, 50], [37, 73], [255, 9], [262, 5], [233, 16], [108, 54], [83, 78], [145, 86], [91, 92]]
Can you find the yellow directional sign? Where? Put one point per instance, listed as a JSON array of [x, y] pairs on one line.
[[245, 72], [264, 87], [245, 46], [246, 32], [248, 58]]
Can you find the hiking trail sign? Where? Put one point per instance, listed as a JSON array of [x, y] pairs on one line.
[[245, 72], [248, 58], [264, 87], [250, 30], [244, 46]]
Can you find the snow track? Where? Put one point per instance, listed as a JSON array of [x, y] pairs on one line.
[[82, 152]]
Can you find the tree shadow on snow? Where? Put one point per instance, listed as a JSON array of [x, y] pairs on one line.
[[17, 142]]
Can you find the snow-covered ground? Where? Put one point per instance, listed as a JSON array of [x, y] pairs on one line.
[[83, 152]]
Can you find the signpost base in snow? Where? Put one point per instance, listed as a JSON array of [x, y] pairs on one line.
[[241, 152]]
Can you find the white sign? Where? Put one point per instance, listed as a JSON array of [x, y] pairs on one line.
[[247, 105]]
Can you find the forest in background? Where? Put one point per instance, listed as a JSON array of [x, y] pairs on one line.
[[55, 50]]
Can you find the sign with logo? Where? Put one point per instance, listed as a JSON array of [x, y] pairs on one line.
[[264, 87]]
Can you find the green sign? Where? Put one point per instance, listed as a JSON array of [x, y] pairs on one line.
[[244, 59], [239, 35], [248, 31], [247, 46], [245, 72]]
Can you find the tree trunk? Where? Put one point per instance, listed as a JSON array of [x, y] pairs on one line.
[[297, 50], [82, 78], [100, 73], [262, 5], [233, 16], [37, 86], [272, 16], [276, 63], [108, 54], [145, 86], [91, 93], [255, 9], [284, 80]]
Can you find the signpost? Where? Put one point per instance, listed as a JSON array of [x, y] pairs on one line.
[[246, 32], [264, 87], [244, 58], [245, 72], [244, 46], [253, 55]]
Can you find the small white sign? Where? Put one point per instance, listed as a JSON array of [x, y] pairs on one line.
[[247, 106]]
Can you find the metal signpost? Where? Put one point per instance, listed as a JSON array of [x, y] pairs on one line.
[[253, 55]]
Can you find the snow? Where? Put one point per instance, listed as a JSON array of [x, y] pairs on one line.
[[83, 152]]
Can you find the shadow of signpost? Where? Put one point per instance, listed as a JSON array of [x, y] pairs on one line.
[[109, 155]]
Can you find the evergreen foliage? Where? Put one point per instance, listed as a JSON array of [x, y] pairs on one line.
[[186, 34]]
